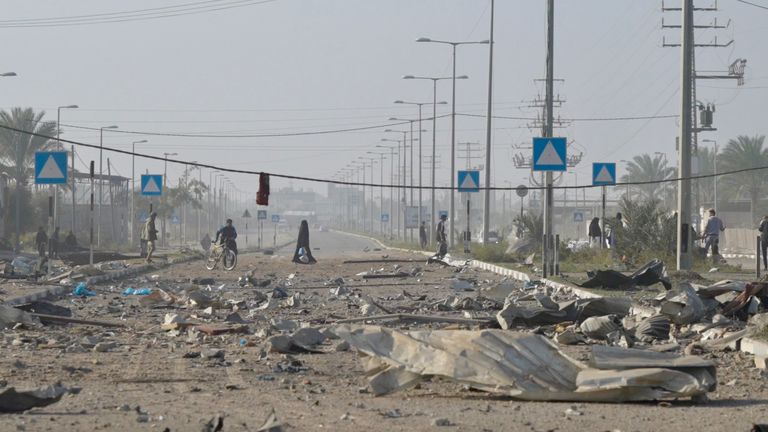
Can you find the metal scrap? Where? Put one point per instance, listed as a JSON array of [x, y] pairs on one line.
[[523, 366]]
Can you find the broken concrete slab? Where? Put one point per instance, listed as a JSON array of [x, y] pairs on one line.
[[520, 365], [18, 401]]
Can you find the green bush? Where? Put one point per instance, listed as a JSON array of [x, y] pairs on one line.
[[494, 253]]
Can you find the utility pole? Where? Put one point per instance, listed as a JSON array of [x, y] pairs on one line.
[[684, 259], [548, 126], [489, 133]]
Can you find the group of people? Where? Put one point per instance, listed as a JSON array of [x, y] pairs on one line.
[[711, 234], [595, 231], [53, 247], [226, 235]]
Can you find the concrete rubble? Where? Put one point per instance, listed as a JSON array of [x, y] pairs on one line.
[[409, 321]]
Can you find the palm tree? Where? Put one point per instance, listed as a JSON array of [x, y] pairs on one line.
[[707, 167], [644, 168], [740, 153], [17, 149]]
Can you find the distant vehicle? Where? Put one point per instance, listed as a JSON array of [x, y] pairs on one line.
[[493, 237], [323, 228]]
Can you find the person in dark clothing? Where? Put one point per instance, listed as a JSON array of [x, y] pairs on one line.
[[594, 232], [442, 239], [41, 242], [423, 235], [149, 235], [70, 241], [303, 253], [53, 252], [764, 240], [228, 234]]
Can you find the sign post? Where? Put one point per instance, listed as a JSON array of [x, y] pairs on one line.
[[603, 174], [261, 216], [549, 155], [522, 191], [51, 169], [246, 216], [275, 221], [469, 182]]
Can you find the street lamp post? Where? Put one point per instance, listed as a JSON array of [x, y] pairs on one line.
[[101, 180], [405, 176], [165, 194], [391, 182], [399, 197], [133, 186], [381, 189], [453, 45], [421, 166], [434, 80], [58, 141]]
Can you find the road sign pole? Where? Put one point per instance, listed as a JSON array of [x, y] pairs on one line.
[[246, 233], [274, 238], [467, 234], [90, 253], [602, 231], [50, 235]]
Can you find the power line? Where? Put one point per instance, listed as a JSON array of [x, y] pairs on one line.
[[753, 4], [344, 183], [134, 15]]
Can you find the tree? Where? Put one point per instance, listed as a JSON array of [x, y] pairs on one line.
[[17, 150], [644, 168], [707, 167], [740, 153]]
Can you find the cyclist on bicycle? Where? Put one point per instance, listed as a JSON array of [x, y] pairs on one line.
[[228, 235]]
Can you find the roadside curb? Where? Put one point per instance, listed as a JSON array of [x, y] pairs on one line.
[[143, 268], [493, 268]]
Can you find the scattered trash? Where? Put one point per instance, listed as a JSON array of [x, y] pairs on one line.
[[138, 292], [81, 290], [649, 274], [271, 424]]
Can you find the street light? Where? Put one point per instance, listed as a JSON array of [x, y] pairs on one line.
[[434, 80], [101, 180], [411, 122], [133, 186], [381, 189], [421, 166], [453, 45], [58, 142], [391, 182], [165, 187]]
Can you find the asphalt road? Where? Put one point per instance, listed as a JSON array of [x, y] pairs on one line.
[[334, 245]]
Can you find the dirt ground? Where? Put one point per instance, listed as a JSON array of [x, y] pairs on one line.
[[149, 381]]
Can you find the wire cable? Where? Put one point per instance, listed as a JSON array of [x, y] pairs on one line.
[[136, 15], [382, 185]]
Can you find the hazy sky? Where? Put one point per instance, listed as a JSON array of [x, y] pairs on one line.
[[305, 65]]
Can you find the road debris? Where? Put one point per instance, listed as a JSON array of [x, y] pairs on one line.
[[18, 401], [523, 366]]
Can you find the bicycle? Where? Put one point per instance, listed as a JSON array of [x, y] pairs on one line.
[[221, 252]]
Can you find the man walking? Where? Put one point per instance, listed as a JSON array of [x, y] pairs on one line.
[[149, 235], [442, 239], [41, 242], [712, 234], [764, 240], [423, 235]]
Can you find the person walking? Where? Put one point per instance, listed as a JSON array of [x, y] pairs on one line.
[[55, 244], [712, 234], [594, 232], [764, 240], [442, 239], [423, 235], [149, 235], [41, 242]]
